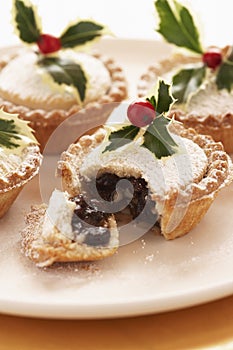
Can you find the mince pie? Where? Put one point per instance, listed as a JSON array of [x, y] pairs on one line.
[[50, 80], [201, 79]]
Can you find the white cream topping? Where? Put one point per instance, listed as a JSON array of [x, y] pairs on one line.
[[59, 215], [22, 82], [175, 172]]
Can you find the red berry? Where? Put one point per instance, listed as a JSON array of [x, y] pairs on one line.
[[48, 43], [141, 113], [212, 58]]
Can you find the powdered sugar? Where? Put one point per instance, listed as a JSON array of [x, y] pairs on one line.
[[162, 175], [23, 82]]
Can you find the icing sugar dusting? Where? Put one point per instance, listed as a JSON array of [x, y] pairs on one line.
[[29, 87], [175, 172]]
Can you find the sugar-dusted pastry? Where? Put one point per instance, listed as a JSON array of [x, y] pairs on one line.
[[127, 179], [20, 158], [52, 78], [202, 79]]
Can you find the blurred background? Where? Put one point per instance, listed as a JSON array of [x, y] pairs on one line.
[[126, 18]]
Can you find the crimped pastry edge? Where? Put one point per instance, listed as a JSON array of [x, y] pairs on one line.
[[219, 173], [58, 248]]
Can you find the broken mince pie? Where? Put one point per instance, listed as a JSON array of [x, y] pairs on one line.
[[68, 229]]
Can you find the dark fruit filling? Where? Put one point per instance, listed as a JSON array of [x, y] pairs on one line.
[[106, 186], [91, 216], [90, 222], [131, 194]]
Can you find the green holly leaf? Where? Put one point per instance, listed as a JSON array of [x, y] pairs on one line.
[[65, 71], [158, 139], [26, 22], [224, 78], [122, 137], [14, 132], [8, 134], [81, 33], [163, 101], [177, 25], [187, 81]]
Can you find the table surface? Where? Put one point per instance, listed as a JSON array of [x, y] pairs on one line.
[[208, 326]]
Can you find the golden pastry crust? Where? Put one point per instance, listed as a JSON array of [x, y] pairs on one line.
[[217, 125], [94, 114], [13, 182], [57, 247], [186, 207]]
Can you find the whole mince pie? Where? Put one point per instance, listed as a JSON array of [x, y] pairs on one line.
[[202, 79], [52, 78], [151, 170]]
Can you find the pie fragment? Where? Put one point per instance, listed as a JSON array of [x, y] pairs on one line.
[[68, 229]]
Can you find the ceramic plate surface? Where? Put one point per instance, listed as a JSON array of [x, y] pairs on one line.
[[148, 276]]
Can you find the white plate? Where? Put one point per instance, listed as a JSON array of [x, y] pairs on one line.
[[147, 276]]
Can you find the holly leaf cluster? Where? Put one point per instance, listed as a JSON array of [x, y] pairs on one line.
[[178, 27], [29, 30], [67, 72], [156, 136]]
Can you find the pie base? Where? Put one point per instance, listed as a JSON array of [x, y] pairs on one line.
[[219, 126]]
